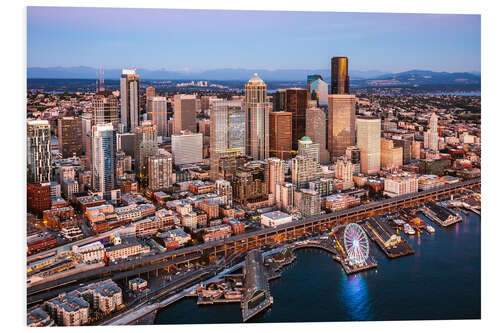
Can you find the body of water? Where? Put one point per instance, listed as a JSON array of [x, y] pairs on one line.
[[442, 280]]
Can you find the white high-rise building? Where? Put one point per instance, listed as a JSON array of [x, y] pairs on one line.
[[257, 110], [38, 149], [304, 170], [103, 158], [368, 135], [276, 175], [129, 99], [343, 171], [224, 189], [284, 196], [309, 149], [431, 137], [187, 147], [157, 108]]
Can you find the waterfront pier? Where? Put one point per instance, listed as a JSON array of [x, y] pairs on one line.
[[257, 296]]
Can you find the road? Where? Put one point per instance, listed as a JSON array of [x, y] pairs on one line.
[[150, 263]]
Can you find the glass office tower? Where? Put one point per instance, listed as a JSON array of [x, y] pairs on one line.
[[340, 76]]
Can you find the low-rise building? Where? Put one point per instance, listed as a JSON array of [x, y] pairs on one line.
[[90, 253], [210, 207], [68, 310], [128, 248], [216, 232], [237, 227], [72, 233], [177, 235], [105, 296], [275, 218], [399, 184], [137, 284], [339, 201], [37, 317]]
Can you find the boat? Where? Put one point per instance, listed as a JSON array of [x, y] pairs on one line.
[[430, 229], [408, 229]]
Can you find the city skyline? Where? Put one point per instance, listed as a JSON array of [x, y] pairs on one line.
[[178, 40], [169, 188]]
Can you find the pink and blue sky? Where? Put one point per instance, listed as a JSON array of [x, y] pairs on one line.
[[212, 39]]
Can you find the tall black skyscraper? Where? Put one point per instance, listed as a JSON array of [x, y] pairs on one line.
[[340, 77]]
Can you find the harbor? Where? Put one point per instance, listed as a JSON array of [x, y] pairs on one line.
[[311, 278]]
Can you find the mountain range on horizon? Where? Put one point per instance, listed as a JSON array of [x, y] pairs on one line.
[[86, 72]]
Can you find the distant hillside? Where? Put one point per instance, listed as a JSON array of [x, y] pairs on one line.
[[425, 77], [359, 78], [84, 72]]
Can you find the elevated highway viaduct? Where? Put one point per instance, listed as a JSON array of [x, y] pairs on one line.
[[247, 241]]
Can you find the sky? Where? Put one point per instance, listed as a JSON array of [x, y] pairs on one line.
[[197, 40]]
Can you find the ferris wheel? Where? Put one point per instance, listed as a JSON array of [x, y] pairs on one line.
[[356, 244]]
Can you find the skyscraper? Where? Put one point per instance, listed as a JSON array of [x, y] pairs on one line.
[[184, 113], [280, 134], [250, 185], [431, 136], [105, 109], [311, 78], [296, 104], [187, 147], [69, 135], [307, 148], [103, 158], [390, 156], [146, 144], [316, 130], [344, 171], [369, 144], [406, 145], [227, 131], [279, 100], [257, 118], [276, 175], [341, 123], [224, 189], [86, 128], [129, 92], [38, 149], [150, 91], [304, 170], [319, 89], [160, 171], [340, 76], [157, 109]]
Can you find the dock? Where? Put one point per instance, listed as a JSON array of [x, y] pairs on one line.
[[394, 246], [257, 296], [441, 215], [341, 257]]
